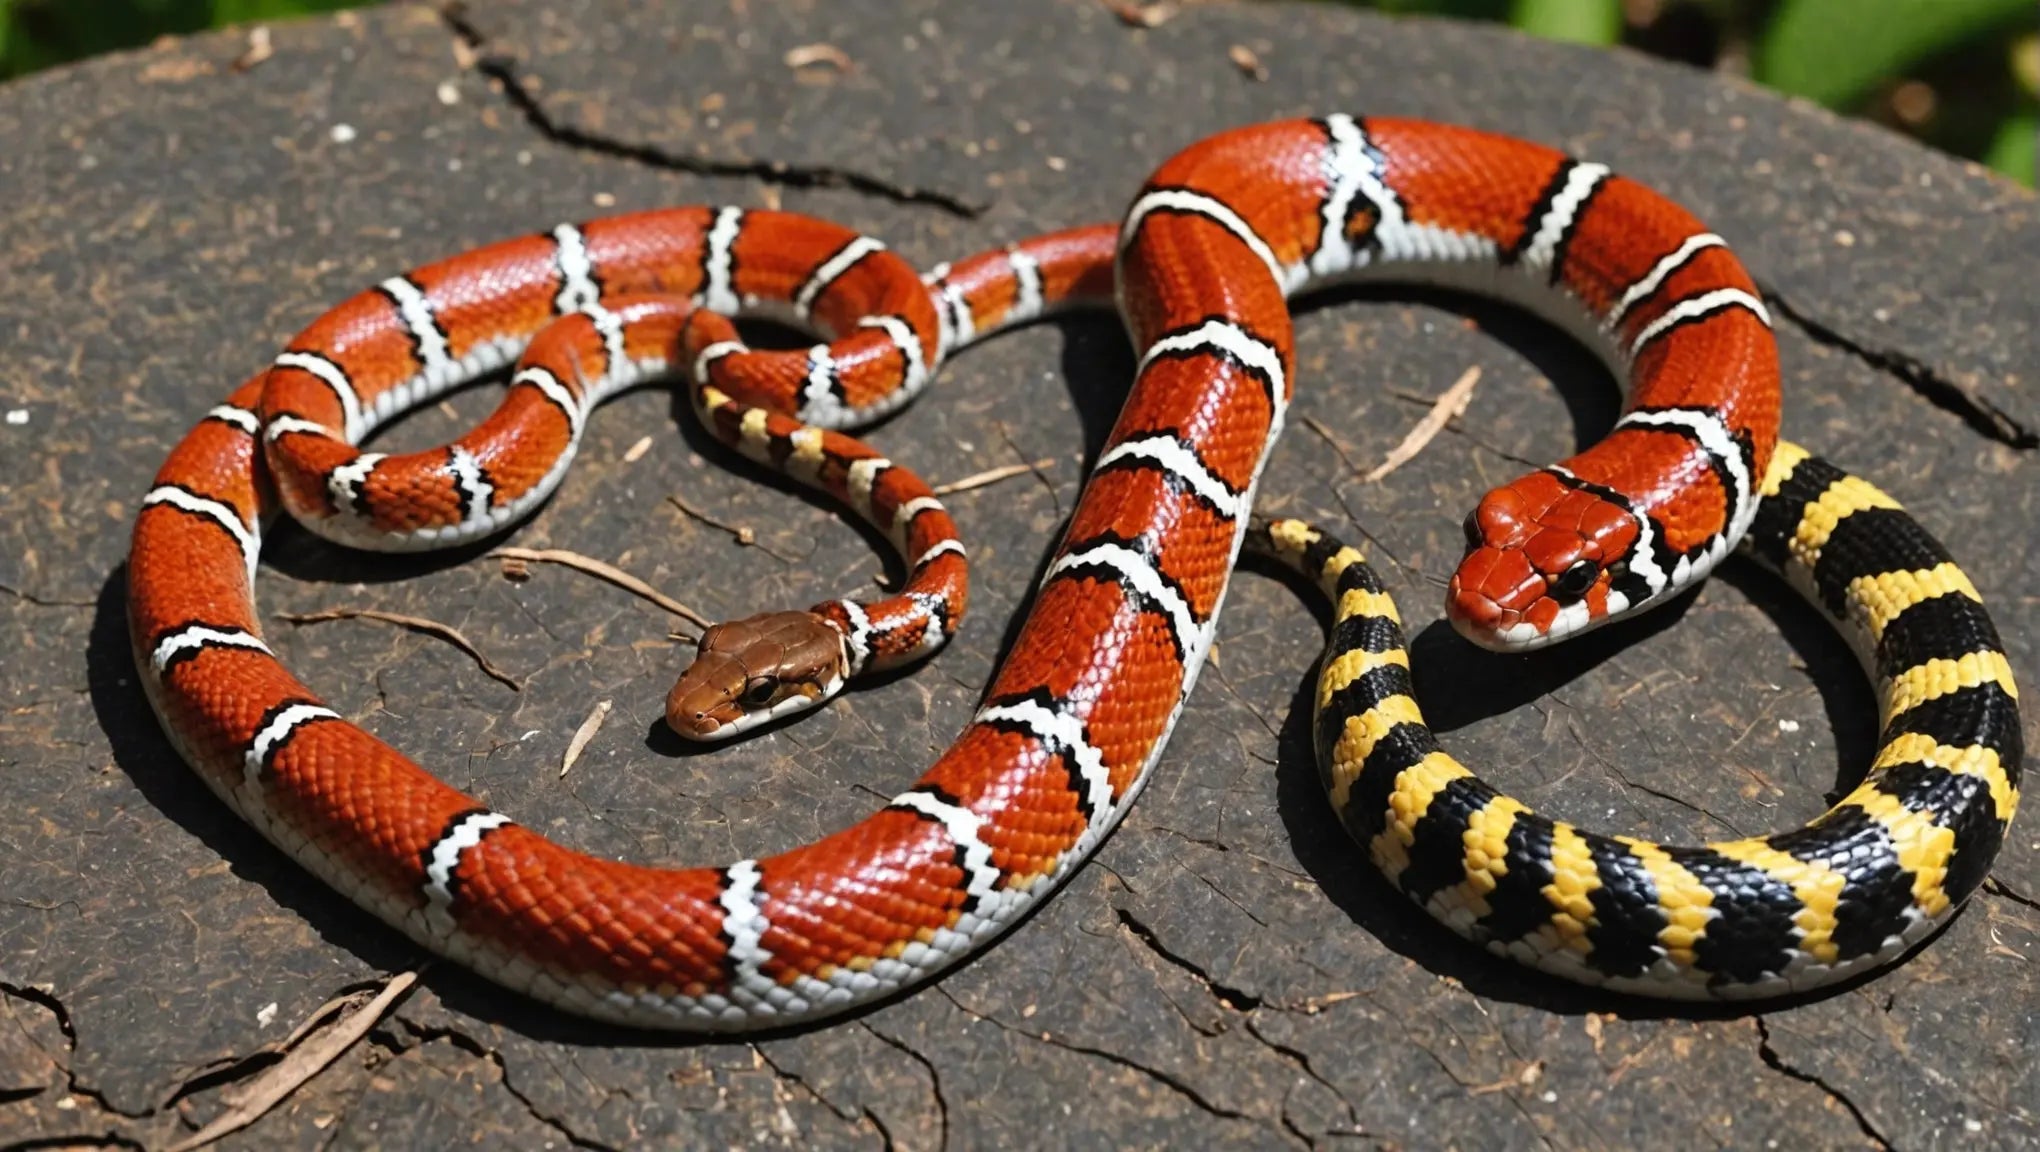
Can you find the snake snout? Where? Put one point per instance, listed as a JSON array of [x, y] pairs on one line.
[[1490, 592]]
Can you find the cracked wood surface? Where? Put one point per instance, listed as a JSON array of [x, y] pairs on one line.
[[1228, 972]]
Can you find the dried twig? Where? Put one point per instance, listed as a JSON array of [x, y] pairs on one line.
[[1529, 1075], [992, 476], [1487, 446], [1142, 15], [636, 452], [582, 735], [600, 571], [1047, 485], [1311, 422], [1450, 404], [446, 632], [1317, 1004], [743, 534], [303, 1058]]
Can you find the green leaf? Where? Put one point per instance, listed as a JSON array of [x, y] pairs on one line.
[[1835, 51], [1579, 21], [250, 11], [1463, 9], [2015, 150]]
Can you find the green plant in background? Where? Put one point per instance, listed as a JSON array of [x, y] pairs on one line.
[[1963, 75], [1953, 67], [38, 33]]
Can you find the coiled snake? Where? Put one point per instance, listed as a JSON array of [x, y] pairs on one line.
[[1077, 714]]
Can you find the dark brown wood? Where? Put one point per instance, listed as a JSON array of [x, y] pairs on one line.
[[1228, 971]]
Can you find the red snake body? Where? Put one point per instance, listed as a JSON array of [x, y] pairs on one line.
[[1077, 714]]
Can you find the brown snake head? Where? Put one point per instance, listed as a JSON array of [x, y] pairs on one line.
[[750, 671]]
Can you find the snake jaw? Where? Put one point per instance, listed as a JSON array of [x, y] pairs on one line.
[[1503, 602], [747, 673]]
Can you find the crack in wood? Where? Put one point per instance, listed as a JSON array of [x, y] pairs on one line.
[[1976, 410], [503, 71]]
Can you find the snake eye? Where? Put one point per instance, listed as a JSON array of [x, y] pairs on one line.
[[1471, 526], [759, 692], [1574, 581]]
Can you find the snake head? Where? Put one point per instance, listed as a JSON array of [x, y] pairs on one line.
[[747, 672], [1545, 559]]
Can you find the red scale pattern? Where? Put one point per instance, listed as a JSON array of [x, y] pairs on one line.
[[510, 289], [631, 925], [1463, 180]]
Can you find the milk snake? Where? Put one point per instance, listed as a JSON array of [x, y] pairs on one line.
[[1078, 712]]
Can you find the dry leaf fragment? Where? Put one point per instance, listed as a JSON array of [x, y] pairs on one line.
[[636, 452], [1317, 1004], [465, 55], [1143, 15], [811, 54], [583, 734], [1529, 1075], [258, 50], [1247, 61]]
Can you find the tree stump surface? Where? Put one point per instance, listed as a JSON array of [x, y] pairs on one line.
[[1229, 971]]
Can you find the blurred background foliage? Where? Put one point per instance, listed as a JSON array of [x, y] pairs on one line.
[[1962, 75], [38, 33]]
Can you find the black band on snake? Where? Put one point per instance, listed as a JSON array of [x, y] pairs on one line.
[[1852, 890]]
